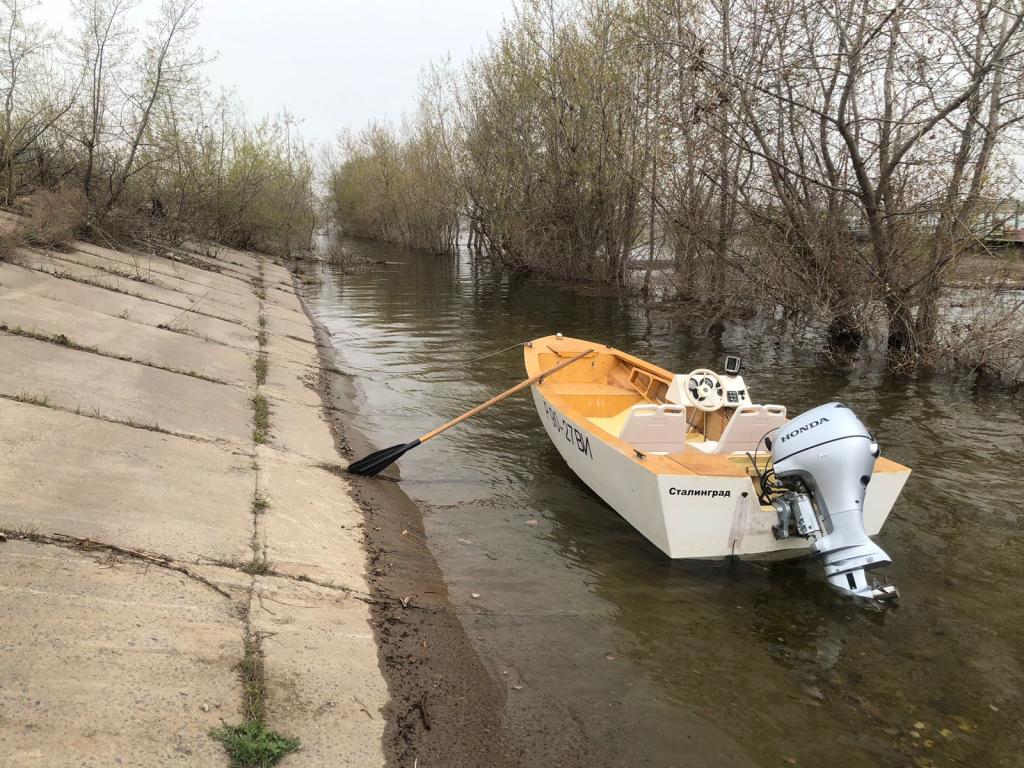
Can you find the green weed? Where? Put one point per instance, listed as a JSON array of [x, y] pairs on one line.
[[261, 420], [253, 745]]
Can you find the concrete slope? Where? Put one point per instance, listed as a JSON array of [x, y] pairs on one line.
[[171, 518]]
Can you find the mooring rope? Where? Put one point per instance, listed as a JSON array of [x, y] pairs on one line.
[[493, 354]]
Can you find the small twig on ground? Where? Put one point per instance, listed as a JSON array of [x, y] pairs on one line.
[[422, 706], [362, 707], [91, 545]]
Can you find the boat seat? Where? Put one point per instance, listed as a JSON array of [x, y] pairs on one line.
[[649, 428], [586, 388], [746, 430], [611, 424]]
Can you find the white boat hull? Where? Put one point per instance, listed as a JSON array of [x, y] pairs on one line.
[[685, 515]]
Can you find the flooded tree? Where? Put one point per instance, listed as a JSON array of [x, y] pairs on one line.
[[872, 129], [400, 185], [558, 146]]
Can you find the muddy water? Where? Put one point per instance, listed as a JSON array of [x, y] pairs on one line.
[[612, 655]]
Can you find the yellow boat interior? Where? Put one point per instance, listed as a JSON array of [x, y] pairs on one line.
[[627, 402]]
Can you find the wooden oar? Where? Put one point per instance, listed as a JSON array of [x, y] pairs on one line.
[[379, 460]]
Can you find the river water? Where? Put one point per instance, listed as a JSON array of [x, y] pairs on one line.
[[655, 662]]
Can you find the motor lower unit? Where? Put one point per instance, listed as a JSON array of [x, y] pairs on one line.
[[823, 460]]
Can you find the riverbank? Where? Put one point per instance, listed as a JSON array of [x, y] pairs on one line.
[[179, 551], [445, 709]]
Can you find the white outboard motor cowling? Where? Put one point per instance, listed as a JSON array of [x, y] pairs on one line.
[[824, 458]]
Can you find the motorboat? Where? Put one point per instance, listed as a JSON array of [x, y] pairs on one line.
[[702, 471]]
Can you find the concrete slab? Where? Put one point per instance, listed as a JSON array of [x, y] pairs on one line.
[[70, 266], [228, 292], [108, 663], [238, 258], [156, 267], [32, 282], [114, 389], [280, 280], [300, 429], [288, 323], [277, 273], [62, 473], [213, 255], [312, 527], [187, 498], [123, 336], [292, 351], [324, 682], [133, 287], [292, 381]]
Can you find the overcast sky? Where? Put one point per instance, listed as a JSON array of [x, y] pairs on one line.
[[333, 63]]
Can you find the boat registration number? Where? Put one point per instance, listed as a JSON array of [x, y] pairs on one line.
[[570, 432]]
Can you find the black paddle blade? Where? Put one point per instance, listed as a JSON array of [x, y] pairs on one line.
[[378, 461]]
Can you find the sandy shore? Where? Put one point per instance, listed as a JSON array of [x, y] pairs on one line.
[[170, 491]]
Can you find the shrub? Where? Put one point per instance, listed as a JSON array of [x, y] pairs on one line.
[[986, 335], [56, 217], [9, 243]]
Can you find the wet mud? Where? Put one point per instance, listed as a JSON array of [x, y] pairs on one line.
[[445, 708]]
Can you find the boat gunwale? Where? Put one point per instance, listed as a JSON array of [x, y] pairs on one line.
[[655, 463]]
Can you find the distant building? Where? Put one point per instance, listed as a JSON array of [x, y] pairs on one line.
[[1001, 221]]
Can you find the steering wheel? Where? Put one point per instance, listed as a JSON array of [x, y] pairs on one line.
[[705, 390]]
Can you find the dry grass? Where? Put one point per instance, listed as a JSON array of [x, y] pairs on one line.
[[9, 242], [55, 218]]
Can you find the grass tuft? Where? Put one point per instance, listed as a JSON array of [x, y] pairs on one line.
[[261, 368], [252, 672], [258, 566], [253, 745], [260, 504], [9, 243], [56, 217], [261, 420], [261, 334], [30, 399]]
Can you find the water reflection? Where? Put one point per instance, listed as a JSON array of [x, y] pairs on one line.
[[656, 662]]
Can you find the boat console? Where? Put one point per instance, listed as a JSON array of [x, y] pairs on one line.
[[736, 393]]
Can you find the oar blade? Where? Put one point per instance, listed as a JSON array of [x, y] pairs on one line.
[[376, 462]]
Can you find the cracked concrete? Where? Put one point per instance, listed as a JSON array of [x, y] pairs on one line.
[[110, 663], [109, 659]]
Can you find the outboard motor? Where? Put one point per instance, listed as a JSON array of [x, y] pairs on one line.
[[824, 459]]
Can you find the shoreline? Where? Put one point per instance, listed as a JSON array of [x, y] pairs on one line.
[[444, 708]]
